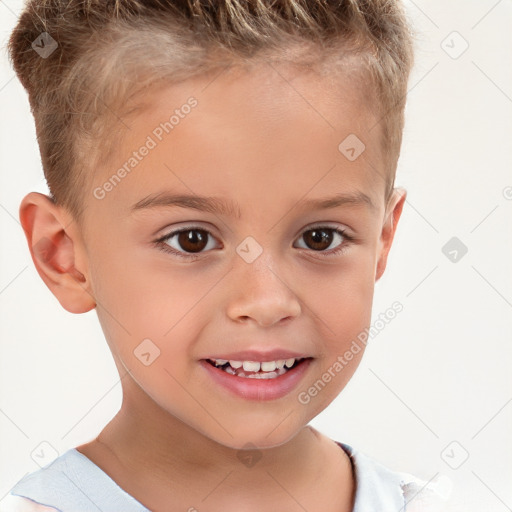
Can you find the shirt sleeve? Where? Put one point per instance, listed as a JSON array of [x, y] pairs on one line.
[[12, 503]]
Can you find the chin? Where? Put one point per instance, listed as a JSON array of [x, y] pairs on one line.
[[261, 436]]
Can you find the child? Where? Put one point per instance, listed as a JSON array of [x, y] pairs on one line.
[[271, 132]]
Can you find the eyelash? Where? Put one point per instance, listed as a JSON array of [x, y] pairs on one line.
[[160, 242]]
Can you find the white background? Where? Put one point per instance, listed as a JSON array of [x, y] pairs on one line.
[[438, 373]]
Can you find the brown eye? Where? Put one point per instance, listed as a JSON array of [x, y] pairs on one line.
[[186, 242], [318, 239], [192, 240]]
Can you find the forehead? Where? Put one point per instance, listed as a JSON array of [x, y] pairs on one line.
[[254, 133]]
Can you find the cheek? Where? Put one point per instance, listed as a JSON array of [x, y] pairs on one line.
[[345, 319], [342, 295], [147, 310], [343, 306], [143, 291]]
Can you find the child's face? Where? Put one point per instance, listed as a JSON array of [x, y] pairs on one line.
[[266, 142]]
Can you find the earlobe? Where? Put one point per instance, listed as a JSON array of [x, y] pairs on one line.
[[51, 237], [393, 213]]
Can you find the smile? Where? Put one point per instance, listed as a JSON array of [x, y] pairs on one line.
[[257, 380]]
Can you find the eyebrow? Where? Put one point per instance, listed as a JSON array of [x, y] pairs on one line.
[[216, 205]]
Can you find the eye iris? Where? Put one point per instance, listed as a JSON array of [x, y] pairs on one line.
[[319, 237], [188, 240]]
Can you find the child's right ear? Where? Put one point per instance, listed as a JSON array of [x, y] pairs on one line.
[[55, 246]]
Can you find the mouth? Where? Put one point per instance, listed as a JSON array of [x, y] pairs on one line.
[[258, 369], [257, 376]]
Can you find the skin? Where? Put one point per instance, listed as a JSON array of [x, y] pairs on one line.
[[178, 436]]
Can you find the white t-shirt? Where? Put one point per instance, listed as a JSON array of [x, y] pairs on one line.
[[73, 483]]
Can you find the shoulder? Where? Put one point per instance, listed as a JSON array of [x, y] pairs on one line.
[[12, 503], [69, 484], [434, 495], [379, 486]]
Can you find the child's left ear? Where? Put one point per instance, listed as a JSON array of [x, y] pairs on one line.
[[393, 212]]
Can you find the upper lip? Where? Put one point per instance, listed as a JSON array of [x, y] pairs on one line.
[[257, 355]]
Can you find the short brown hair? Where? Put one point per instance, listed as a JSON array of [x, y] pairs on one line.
[[109, 49]]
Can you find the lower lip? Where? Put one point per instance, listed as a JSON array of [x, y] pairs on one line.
[[258, 389]]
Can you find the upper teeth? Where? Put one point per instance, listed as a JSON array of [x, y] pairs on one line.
[[256, 366]]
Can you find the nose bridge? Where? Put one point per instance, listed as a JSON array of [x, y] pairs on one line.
[[260, 291]]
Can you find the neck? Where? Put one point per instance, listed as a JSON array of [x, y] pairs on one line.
[[156, 454]]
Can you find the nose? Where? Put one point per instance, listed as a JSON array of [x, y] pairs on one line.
[[262, 295]]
